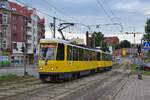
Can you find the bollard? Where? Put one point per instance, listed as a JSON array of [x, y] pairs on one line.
[[140, 76]]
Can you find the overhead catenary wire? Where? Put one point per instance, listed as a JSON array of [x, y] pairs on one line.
[[64, 13], [60, 11], [110, 18], [100, 5], [115, 16], [41, 11], [59, 19]]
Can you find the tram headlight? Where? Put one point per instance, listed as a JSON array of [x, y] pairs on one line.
[[41, 68], [52, 68]]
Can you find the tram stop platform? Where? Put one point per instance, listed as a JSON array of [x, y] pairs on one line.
[[135, 89]]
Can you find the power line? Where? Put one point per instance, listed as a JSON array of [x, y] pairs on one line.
[[114, 14], [100, 4], [110, 18], [59, 10], [41, 11], [111, 11]]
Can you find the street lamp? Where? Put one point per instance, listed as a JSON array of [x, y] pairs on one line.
[[134, 34]]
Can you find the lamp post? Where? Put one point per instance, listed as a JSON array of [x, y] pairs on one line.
[[94, 41], [134, 35]]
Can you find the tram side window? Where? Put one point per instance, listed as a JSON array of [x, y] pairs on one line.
[[69, 53], [92, 54], [85, 55], [60, 52], [89, 53], [98, 56], [81, 54], [110, 57], [105, 57], [75, 53], [95, 56]]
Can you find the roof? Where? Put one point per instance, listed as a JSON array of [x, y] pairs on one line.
[[41, 21], [52, 40], [21, 10], [111, 39]]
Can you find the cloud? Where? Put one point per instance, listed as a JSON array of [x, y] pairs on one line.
[[77, 1], [132, 6]]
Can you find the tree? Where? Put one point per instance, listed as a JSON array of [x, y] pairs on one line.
[[147, 37], [125, 44], [97, 38], [147, 31], [105, 48]]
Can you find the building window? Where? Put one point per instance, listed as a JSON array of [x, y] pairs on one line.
[[14, 45], [14, 27], [4, 19], [13, 9], [14, 37], [0, 18], [4, 44], [14, 18], [3, 6]]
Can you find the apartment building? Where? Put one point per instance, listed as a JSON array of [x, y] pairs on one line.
[[22, 31]]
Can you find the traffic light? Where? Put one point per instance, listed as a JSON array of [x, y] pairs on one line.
[[34, 50], [22, 49], [139, 49]]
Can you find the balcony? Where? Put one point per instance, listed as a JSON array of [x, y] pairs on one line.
[[29, 49], [29, 25], [29, 33], [29, 41]]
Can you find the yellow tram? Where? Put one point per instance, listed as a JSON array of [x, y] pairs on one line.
[[59, 60]]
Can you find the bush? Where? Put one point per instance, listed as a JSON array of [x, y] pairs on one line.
[[4, 64]]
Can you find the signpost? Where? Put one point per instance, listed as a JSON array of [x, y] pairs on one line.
[[146, 46]]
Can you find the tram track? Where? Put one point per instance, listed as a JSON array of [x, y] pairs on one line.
[[36, 90]]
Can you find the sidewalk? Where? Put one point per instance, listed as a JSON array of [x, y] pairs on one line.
[[14, 67], [135, 89], [32, 70]]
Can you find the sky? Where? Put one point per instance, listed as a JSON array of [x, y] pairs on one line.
[[131, 13]]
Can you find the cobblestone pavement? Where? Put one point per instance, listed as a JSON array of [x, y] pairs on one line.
[[135, 89]]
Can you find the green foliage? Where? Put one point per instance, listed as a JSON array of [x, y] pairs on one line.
[[99, 37], [8, 77], [4, 63], [147, 37], [125, 44], [105, 48], [147, 27], [117, 46], [147, 31]]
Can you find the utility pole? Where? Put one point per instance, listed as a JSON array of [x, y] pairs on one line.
[[134, 35], [94, 41], [54, 27]]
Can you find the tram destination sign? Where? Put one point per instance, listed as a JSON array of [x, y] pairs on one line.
[[146, 45]]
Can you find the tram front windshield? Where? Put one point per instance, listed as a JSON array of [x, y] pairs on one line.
[[47, 51]]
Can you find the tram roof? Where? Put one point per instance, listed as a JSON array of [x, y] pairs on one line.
[[52, 40]]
